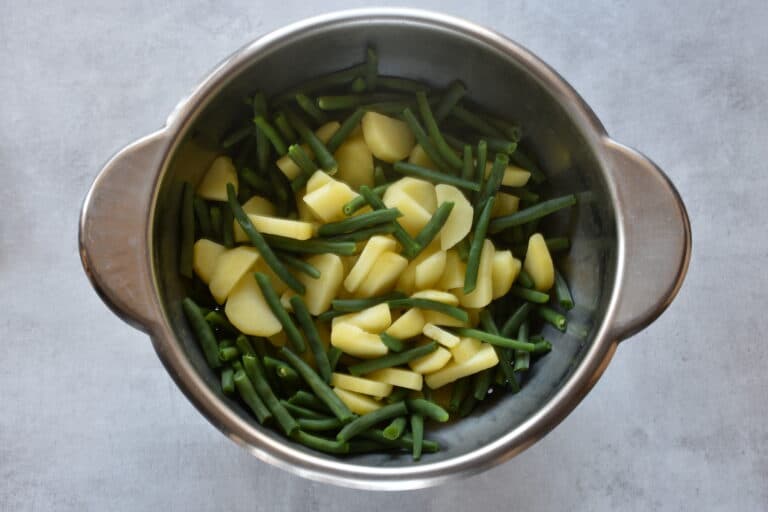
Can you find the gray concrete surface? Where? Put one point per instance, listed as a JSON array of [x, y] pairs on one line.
[[89, 420]]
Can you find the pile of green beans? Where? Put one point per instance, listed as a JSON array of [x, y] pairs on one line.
[[289, 387]]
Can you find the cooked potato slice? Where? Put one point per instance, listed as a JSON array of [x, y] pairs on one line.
[[453, 275], [354, 341], [466, 349], [388, 268], [361, 385], [230, 267], [505, 270], [419, 157], [513, 176], [505, 204], [538, 263], [437, 296], [289, 167], [389, 139], [296, 229], [375, 319], [459, 222], [327, 201], [204, 255], [374, 248], [247, 310], [482, 295], [321, 291], [431, 362], [357, 403], [398, 377], [485, 358], [214, 184], [409, 324], [317, 180], [256, 205], [415, 216], [441, 336], [355, 163], [438, 318], [428, 272], [423, 192]]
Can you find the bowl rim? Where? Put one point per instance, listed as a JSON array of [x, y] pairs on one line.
[[286, 455]]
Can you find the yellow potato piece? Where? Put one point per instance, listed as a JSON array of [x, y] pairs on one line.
[[441, 336], [321, 291], [296, 229], [204, 256], [419, 157], [375, 319], [247, 310], [431, 362], [374, 248], [459, 222], [513, 176], [327, 201], [357, 403], [256, 205], [277, 283], [384, 275], [317, 180], [437, 296], [438, 318], [538, 263], [355, 163], [289, 167], [428, 272], [482, 295], [398, 377], [415, 216], [214, 184], [389, 139], [354, 341], [466, 349], [485, 358], [409, 324], [505, 204], [505, 270], [453, 275], [423, 192], [230, 267], [360, 385]]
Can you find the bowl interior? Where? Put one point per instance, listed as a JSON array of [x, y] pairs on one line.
[[501, 84]]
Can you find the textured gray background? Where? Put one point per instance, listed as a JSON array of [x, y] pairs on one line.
[[89, 420]]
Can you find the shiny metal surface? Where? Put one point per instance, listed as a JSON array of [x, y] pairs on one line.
[[631, 234]]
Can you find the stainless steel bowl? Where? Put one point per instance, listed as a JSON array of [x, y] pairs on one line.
[[631, 235]]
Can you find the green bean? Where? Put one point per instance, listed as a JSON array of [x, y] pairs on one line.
[[398, 395], [387, 107], [305, 164], [476, 248], [227, 233], [227, 354], [417, 431], [324, 157], [523, 194], [302, 412], [541, 347], [312, 246], [215, 215], [359, 201], [434, 131], [467, 405], [404, 442], [318, 385], [282, 369], [379, 178], [409, 245], [285, 128], [482, 384], [392, 343], [501, 145], [456, 143], [532, 213], [273, 301], [321, 444], [306, 399], [504, 354], [262, 143], [253, 179], [428, 409], [349, 124], [458, 392], [282, 191], [456, 90], [525, 279], [529, 295], [243, 344], [319, 425], [348, 101], [433, 226], [355, 305], [357, 85], [552, 317], [334, 353], [228, 381], [475, 122], [391, 360], [401, 84], [562, 243], [412, 302], [258, 241], [522, 358], [203, 332], [226, 343], [366, 421], [468, 171], [310, 108], [256, 374], [250, 397], [237, 136], [520, 158], [563, 294], [395, 429], [492, 183], [363, 235], [362, 221], [510, 130], [219, 321], [313, 337], [334, 78], [463, 249], [187, 235], [494, 339], [423, 173], [271, 133], [300, 265], [423, 140], [371, 69], [482, 158]]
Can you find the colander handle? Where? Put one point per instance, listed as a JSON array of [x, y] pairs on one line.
[[655, 235], [113, 230]]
